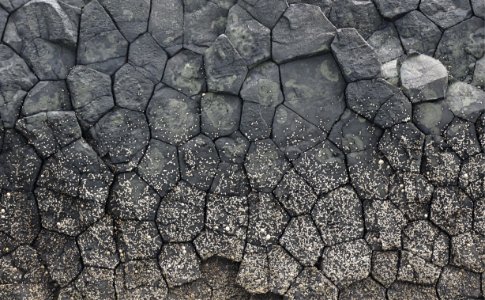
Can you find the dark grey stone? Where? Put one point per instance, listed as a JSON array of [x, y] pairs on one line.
[[220, 114], [458, 283], [293, 134], [166, 24], [160, 167], [140, 279], [384, 223], [302, 240], [478, 8], [230, 180], [94, 283], [347, 263], [446, 13], [266, 12], [224, 67], [180, 216], [137, 240], [265, 165], [462, 138], [262, 85], [251, 39], [364, 289], [131, 18], [232, 148], [460, 46], [361, 15], [72, 189], [132, 198], [97, 245], [378, 101], [47, 96], [404, 290], [386, 43], [425, 240], [19, 163], [312, 284], [295, 194], [394, 8], [423, 78], [472, 180], [49, 132], [465, 101], [414, 269], [203, 22], [314, 88], [411, 193], [61, 255], [132, 88], [323, 167], [253, 270], [353, 133], [402, 145], [267, 219], [173, 117], [338, 216], [228, 215], [179, 264], [91, 94], [303, 30], [121, 137], [198, 161], [467, 251], [256, 120], [185, 73], [94, 50], [45, 33], [441, 165], [283, 269], [146, 54], [211, 243], [356, 58], [418, 33], [384, 266], [452, 210], [19, 219], [432, 117]]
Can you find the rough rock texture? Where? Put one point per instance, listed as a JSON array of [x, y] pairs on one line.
[[242, 149]]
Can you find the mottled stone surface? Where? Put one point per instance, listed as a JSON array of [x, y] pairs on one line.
[[242, 149]]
